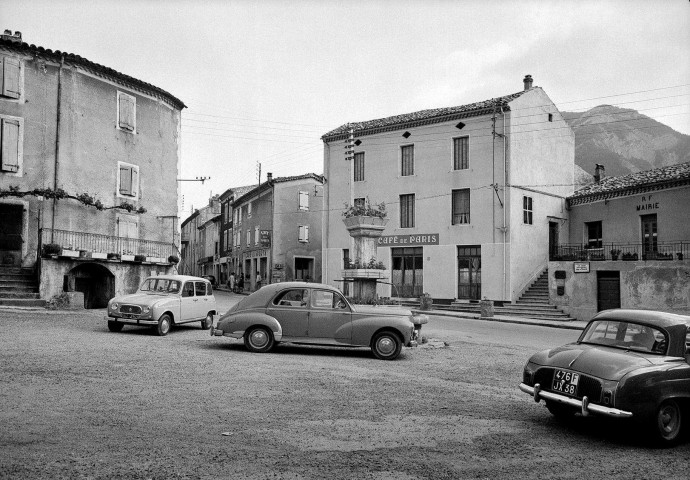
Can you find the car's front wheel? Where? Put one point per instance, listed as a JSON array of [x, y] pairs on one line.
[[386, 345], [207, 322], [164, 325], [114, 326], [258, 339], [668, 422]]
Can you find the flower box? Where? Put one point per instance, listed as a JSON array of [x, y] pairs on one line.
[[156, 260], [364, 221], [98, 256], [365, 273], [127, 258], [69, 253]]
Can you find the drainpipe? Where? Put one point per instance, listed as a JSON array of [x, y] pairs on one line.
[[57, 145], [505, 203]]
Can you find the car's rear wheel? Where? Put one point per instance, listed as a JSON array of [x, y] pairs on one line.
[[559, 410], [164, 325], [386, 345], [668, 422], [115, 326], [207, 322], [258, 339]]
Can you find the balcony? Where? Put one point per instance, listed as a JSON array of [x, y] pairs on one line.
[[621, 252], [101, 247]]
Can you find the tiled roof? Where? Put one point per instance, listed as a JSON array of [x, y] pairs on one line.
[[318, 178], [259, 188], [103, 71], [432, 115], [665, 177]]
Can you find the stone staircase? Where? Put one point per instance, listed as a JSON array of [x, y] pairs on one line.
[[19, 287], [534, 303]]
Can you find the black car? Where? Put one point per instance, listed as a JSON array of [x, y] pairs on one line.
[[626, 364]]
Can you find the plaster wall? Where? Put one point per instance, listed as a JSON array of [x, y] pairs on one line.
[[651, 285]]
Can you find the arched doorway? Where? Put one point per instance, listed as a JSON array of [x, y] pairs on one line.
[[95, 281]]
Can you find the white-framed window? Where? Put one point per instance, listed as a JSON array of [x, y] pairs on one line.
[[12, 145], [303, 235], [11, 77], [249, 209], [359, 167], [407, 160], [460, 214], [407, 210], [527, 210], [249, 237], [461, 153], [126, 112], [303, 200], [256, 235], [127, 180]]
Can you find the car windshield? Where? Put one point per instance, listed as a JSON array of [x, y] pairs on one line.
[[160, 285], [626, 335]]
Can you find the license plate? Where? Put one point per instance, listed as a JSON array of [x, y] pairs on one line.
[[127, 315], [565, 382]]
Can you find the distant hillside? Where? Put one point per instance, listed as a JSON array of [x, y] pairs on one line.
[[624, 141]]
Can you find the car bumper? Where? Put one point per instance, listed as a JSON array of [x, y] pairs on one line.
[[133, 321], [583, 405], [217, 332]]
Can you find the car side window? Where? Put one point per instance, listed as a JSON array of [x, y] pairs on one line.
[[292, 298], [188, 289], [200, 289], [327, 299]]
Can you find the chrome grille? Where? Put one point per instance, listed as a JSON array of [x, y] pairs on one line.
[[130, 309]]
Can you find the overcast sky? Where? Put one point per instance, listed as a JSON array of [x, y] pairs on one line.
[[263, 80]]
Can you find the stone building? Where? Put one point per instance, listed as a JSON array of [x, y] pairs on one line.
[[629, 244], [88, 184], [277, 230], [474, 194]]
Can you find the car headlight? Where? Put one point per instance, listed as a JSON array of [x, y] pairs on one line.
[[114, 306], [145, 309]]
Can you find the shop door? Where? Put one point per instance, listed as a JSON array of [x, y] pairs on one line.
[[469, 273], [608, 290], [553, 239], [304, 269], [408, 272], [649, 234], [11, 216]]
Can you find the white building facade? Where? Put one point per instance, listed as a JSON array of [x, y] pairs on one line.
[[475, 195]]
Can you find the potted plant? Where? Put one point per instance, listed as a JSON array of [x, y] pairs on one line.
[[114, 256], [365, 214], [51, 250], [139, 258], [615, 253], [174, 259]]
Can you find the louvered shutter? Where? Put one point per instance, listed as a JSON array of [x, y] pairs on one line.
[[134, 186], [10, 145], [306, 233], [10, 78], [126, 112], [303, 200]]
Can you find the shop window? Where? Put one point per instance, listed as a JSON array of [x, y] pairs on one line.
[[407, 272]]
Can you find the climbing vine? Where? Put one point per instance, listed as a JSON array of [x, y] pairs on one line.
[[60, 194]]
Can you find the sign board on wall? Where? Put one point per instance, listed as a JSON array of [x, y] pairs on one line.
[[581, 267], [409, 240], [265, 238]]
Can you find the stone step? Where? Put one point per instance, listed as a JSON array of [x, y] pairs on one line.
[[19, 281], [20, 295], [18, 288], [22, 302]]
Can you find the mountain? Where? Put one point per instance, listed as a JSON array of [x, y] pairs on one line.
[[624, 141]]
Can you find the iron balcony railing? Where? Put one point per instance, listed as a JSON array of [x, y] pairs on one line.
[[621, 251], [97, 243]]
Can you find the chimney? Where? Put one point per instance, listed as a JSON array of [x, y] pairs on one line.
[[16, 38], [269, 177], [527, 81], [599, 172]]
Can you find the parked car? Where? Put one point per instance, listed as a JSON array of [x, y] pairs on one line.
[[212, 279], [312, 313], [162, 302], [625, 364]]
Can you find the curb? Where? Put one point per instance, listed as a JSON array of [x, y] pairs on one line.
[[520, 321]]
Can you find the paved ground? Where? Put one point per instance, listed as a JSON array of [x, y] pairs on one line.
[[80, 402]]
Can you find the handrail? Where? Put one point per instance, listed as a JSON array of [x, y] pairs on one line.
[[99, 243], [679, 250]]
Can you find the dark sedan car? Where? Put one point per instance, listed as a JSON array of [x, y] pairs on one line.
[[312, 313], [626, 364]]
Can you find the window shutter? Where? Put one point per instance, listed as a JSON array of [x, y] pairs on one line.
[[125, 180], [10, 145], [134, 186], [303, 200], [127, 112], [10, 78], [306, 233]]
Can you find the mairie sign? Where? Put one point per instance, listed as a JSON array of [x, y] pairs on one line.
[[408, 239]]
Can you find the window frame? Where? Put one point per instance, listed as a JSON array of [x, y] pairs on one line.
[[407, 205], [464, 163], [303, 234], [403, 149], [134, 187], [358, 167], [527, 210], [303, 200], [457, 217], [5, 93], [596, 241], [122, 96], [17, 149]]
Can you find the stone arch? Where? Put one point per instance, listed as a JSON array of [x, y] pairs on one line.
[[94, 280]]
